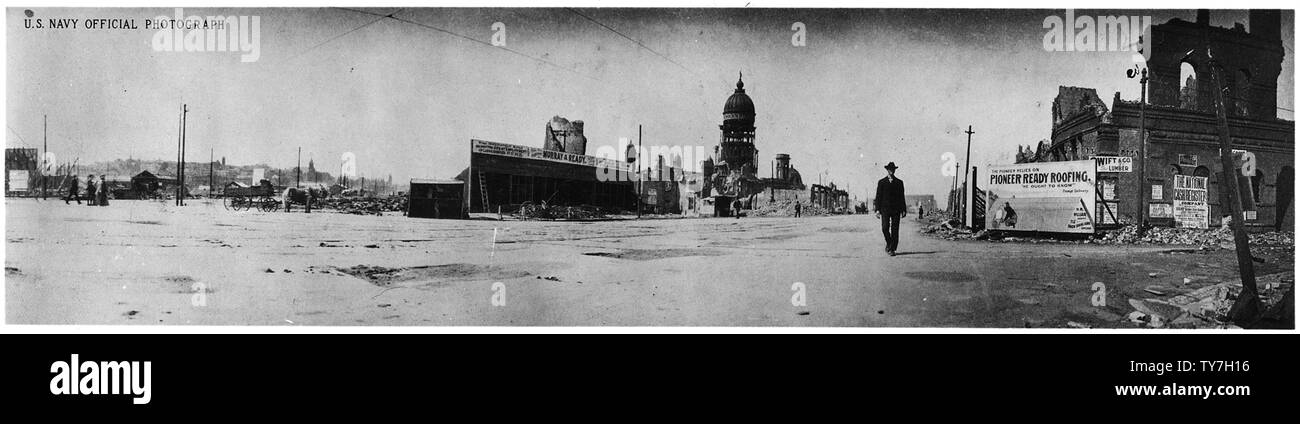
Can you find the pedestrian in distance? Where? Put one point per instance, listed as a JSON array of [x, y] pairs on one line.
[[103, 190], [74, 191], [891, 205], [90, 190]]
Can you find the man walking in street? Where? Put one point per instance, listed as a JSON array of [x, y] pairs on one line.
[[891, 205], [74, 191]]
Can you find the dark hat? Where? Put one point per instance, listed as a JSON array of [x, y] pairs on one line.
[[891, 166]]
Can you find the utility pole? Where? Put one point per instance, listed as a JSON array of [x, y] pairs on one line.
[[211, 166], [966, 172], [45, 133], [179, 124], [1142, 154], [185, 111], [954, 202], [1246, 309], [298, 170], [640, 191]]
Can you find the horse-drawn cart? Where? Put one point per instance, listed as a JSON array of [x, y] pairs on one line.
[[245, 198]]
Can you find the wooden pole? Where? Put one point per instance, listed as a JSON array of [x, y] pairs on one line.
[[1246, 308], [1143, 191], [966, 201], [640, 190], [180, 123], [45, 133], [185, 110]]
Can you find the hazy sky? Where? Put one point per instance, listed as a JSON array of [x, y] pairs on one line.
[[870, 86]]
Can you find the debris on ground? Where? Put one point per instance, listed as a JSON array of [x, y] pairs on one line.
[[1208, 306], [365, 205], [951, 230], [786, 208], [1265, 246], [548, 211], [1211, 238]]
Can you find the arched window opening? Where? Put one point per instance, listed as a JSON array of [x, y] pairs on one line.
[[1241, 93], [1187, 86]]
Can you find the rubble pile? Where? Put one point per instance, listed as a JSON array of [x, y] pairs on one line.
[[1208, 307], [545, 211], [365, 206], [953, 230], [786, 208], [1214, 237]]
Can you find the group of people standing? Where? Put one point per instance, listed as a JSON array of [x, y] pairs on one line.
[[96, 191]]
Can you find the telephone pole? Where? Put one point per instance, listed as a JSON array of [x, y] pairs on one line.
[[185, 110], [966, 174], [1246, 308], [45, 147], [640, 191], [954, 199], [298, 171], [211, 166], [1142, 154], [179, 124]]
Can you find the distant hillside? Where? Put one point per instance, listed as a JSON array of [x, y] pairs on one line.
[[197, 172]]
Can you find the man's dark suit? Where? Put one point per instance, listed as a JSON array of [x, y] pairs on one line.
[[890, 203]]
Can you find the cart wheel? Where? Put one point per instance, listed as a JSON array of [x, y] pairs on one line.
[[270, 205], [225, 202], [245, 203]]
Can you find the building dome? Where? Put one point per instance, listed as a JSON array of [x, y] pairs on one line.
[[739, 108]]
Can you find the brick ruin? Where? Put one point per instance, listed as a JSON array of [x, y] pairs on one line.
[[1180, 123]]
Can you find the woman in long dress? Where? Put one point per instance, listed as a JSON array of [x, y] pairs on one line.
[[103, 191]]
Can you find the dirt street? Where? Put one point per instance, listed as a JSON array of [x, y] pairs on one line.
[[152, 263]]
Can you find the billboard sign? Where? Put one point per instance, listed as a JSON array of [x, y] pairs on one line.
[[1191, 207], [526, 152], [1047, 196], [1114, 163]]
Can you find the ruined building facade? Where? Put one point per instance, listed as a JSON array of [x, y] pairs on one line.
[[731, 173], [566, 136], [1181, 124]]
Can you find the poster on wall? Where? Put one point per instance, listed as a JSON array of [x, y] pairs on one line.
[[1107, 189], [1191, 207], [1047, 196], [1106, 213], [1161, 210], [18, 180]]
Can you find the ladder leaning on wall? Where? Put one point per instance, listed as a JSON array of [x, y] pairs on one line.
[[482, 187]]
